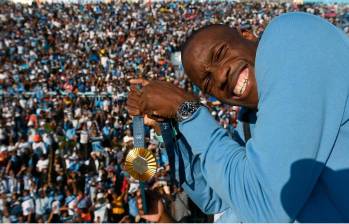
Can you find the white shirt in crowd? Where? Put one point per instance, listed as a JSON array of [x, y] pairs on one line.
[[55, 207], [28, 206], [13, 184], [42, 164], [23, 145], [77, 112], [40, 205], [106, 104], [110, 89], [2, 204], [2, 133], [83, 137], [47, 139], [28, 182], [104, 61], [75, 123], [71, 207], [40, 146], [101, 212]]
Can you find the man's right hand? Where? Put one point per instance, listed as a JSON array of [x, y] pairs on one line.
[[133, 99], [158, 99], [133, 104]]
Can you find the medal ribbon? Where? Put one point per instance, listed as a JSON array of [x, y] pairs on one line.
[[139, 141], [169, 141]]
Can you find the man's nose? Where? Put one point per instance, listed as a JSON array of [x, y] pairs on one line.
[[219, 75]]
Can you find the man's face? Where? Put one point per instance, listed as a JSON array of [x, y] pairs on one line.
[[221, 63]]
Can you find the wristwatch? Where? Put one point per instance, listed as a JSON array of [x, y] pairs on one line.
[[187, 109]]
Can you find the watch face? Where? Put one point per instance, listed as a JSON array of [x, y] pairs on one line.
[[187, 109]]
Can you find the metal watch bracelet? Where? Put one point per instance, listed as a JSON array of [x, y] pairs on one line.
[[187, 109]]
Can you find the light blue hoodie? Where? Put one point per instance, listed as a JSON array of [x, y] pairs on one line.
[[296, 165]]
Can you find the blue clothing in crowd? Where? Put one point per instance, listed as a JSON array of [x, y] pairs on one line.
[[295, 167]]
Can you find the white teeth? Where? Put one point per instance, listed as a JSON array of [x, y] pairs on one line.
[[242, 82]]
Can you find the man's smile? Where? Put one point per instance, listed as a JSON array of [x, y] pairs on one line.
[[242, 82], [239, 80]]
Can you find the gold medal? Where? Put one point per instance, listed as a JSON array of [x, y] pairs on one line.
[[140, 163]]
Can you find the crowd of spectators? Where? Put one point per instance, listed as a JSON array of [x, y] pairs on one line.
[[64, 128]]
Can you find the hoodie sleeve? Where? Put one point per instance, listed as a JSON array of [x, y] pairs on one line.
[[194, 183]]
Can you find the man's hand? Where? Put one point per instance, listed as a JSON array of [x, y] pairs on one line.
[[134, 110], [157, 99], [134, 97], [156, 209]]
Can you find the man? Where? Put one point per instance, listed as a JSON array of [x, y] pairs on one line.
[[295, 166], [28, 206], [101, 209], [41, 205]]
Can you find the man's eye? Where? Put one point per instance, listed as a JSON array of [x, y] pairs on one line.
[[220, 53]]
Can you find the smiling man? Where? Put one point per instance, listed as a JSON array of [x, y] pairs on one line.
[[295, 167], [221, 62]]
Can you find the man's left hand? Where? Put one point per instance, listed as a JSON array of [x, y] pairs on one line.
[[158, 99]]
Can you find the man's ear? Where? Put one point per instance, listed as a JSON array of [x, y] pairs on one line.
[[248, 35]]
